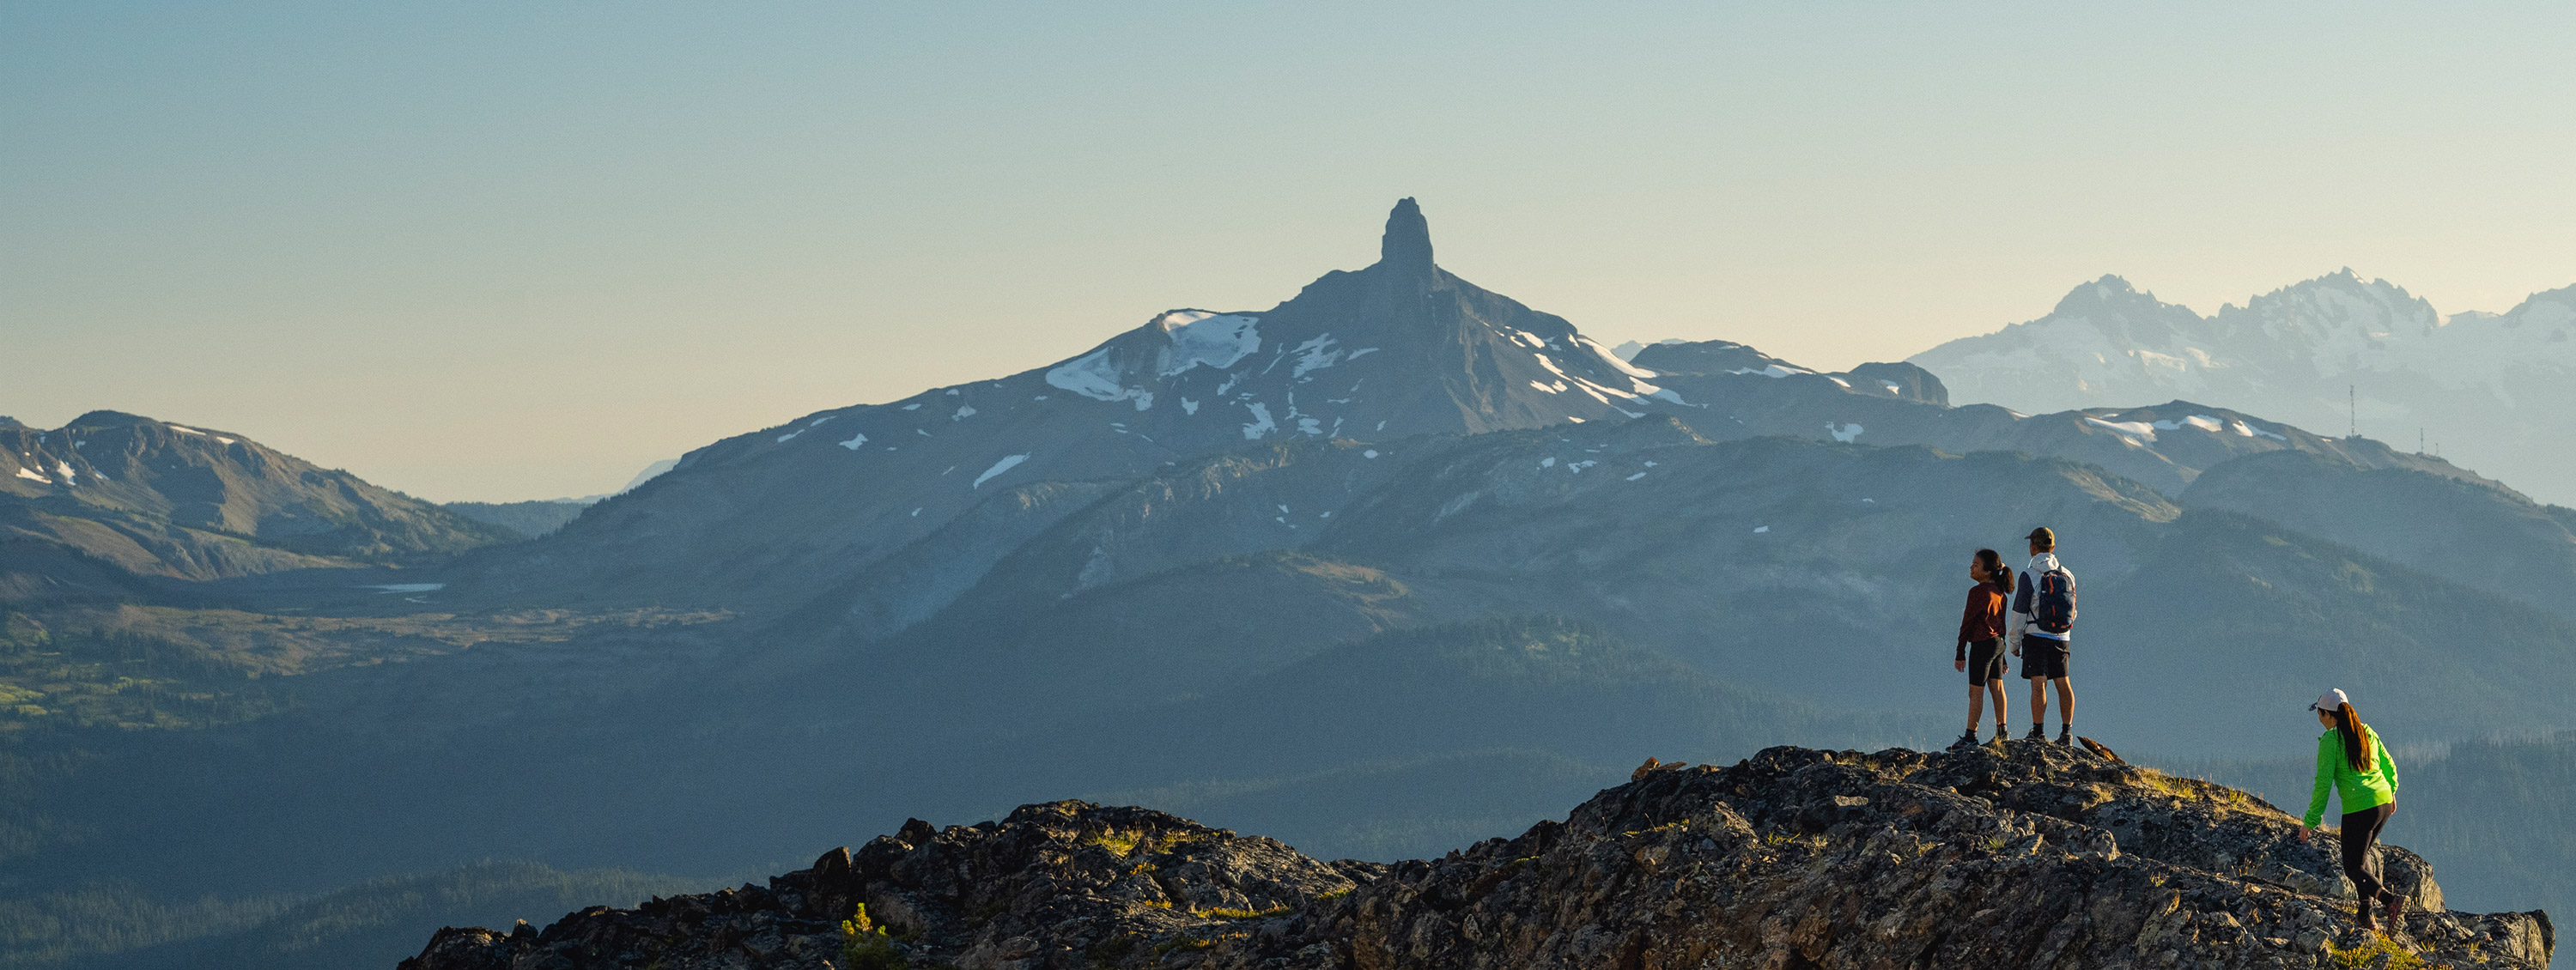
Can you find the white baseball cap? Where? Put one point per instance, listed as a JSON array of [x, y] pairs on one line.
[[2330, 701]]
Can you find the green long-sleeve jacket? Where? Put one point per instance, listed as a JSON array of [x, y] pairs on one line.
[[2359, 789]]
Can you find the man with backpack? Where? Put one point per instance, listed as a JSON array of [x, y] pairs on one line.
[[2043, 632]]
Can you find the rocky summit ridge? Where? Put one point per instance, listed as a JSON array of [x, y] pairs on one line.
[[2020, 854]]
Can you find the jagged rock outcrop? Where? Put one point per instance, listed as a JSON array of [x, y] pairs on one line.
[[2023, 854]]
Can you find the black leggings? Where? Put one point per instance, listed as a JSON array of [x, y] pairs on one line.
[[2360, 829]]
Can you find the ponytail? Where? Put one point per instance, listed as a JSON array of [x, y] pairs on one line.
[[1996, 571], [2356, 747]]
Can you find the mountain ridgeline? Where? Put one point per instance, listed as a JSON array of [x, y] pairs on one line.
[[2492, 388], [133, 497], [2022, 854], [1392, 567], [1398, 349]]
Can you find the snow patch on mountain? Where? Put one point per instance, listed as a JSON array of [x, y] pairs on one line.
[[1202, 337], [1614, 361], [1096, 376], [1007, 463], [2202, 421], [1260, 424], [1315, 354], [2135, 429], [1775, 370]]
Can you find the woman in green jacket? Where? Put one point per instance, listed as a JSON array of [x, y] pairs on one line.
[[2352, 761]]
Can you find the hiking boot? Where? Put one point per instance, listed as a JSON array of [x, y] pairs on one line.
[[2396, 911], [2066, 736], [2363, 916], [1968, 740], [2035, 734]]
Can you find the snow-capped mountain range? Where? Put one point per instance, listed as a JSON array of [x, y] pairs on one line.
[[2494, 390], [1399, 348], [873, 517]]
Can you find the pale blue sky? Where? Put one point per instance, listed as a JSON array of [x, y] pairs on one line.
[[501, 251]]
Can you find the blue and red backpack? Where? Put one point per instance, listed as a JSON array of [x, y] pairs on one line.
[[2052, 601]]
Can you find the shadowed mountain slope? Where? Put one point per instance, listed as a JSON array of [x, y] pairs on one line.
[[2476, 533], [1400, 348], [1762, 561]]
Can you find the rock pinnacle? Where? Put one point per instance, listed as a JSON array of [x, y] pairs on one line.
[[1407, 245]]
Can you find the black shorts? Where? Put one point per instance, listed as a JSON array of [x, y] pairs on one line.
[[2042, 658], [1985, 661]]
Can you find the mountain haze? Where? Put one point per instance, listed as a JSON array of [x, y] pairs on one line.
[[1393, 566], [2492, 389]]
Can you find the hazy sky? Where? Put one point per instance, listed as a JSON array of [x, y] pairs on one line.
[[515, 250]]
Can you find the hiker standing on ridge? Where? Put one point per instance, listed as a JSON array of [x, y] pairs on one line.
[[2043, 634], [1980, 650], [2352, 761]]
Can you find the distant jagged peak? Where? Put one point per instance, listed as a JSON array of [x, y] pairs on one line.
[[2548, 307], [2339, 297], [2116, 295], [1406, 247], [1398, 348]]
